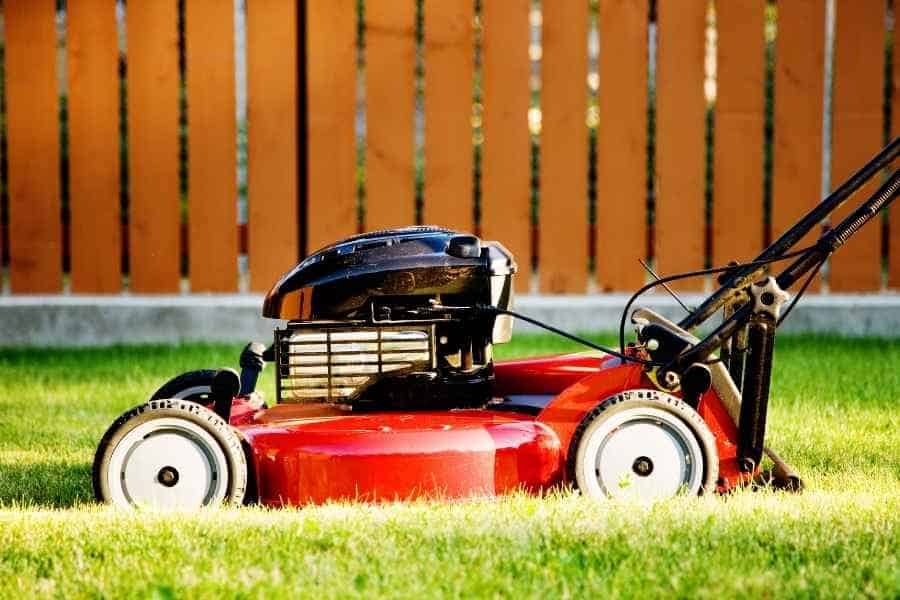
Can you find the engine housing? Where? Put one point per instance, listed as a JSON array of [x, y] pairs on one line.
[[393, 318]]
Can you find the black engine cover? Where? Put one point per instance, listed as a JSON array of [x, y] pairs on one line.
[[395, 268]]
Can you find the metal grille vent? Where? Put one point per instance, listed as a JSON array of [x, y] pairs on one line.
[[335, 365]]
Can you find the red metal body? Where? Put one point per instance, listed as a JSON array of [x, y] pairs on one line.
[[303, 454]]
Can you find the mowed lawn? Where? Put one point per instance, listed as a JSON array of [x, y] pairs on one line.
[[835, 414]]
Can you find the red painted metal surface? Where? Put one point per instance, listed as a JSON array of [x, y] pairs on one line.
[[605, 377], [569, 408], [305, 453], [546, 374], [396, 455], [725, 430]]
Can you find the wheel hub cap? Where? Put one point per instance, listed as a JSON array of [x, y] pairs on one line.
[[168, 476], [642, 466], [168, 463], [644, 454]]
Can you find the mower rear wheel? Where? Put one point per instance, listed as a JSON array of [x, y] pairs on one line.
[[170, 454], [644, 445], [195, 386]]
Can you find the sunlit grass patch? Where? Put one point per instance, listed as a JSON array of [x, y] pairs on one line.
[[834, 415]]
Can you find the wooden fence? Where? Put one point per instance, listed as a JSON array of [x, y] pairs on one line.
[[584, 135]]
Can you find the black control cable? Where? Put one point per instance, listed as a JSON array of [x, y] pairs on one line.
[[583, 341], [698, 273], [801, 291], [575, 338], [620, 353]]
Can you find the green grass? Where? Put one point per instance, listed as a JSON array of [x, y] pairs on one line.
[[834, 415]]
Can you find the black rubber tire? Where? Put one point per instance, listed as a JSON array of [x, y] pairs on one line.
[[174, 388], [209, 421], [652, 399]]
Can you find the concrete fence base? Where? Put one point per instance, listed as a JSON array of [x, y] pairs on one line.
[[104, 320]]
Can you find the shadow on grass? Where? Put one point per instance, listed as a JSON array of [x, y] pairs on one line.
[[47, 485]]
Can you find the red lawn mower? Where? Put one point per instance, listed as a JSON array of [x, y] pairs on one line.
[[386, 386]]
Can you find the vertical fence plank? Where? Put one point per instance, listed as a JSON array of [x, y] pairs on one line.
[[272, 139], [390, 104], [3, 225], [680, 139], [4, 236], [449, 67], [506, 152], [212, 182], [894, 214], [331, 121], [562, 245], [738, 230], [93, 52], [154, 237], [35, 231], [622, 145], [857, 130], [799, 96]]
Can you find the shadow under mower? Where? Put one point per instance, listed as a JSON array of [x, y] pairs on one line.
[[387, 389]]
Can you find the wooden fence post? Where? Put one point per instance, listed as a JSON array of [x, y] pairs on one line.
[[799, 102], [212, 146], [93, 73], [154, 239], [857, 130], [450, 64], [563, 240], [622, 145], [738, 228], [32, 95], [506, 152], [894, 217], [680, 139], [272, 169], [331, 122], [390, 106]]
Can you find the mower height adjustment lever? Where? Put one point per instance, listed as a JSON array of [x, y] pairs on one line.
[[768, 297]]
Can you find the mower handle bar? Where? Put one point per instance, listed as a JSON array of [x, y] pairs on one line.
[[739, 276], [827, 244]]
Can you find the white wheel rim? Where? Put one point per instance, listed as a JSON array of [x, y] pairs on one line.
[[641, 453], [167, 463]]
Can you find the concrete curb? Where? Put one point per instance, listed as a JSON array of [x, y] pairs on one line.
[[103, 320]]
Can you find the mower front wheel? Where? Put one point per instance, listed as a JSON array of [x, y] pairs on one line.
[[170, 454], [643, 445]]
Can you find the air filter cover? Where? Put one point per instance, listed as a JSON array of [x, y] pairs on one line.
[[337, 363]]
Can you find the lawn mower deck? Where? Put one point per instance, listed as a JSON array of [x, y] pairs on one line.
[[387, 388], [304, 454]]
